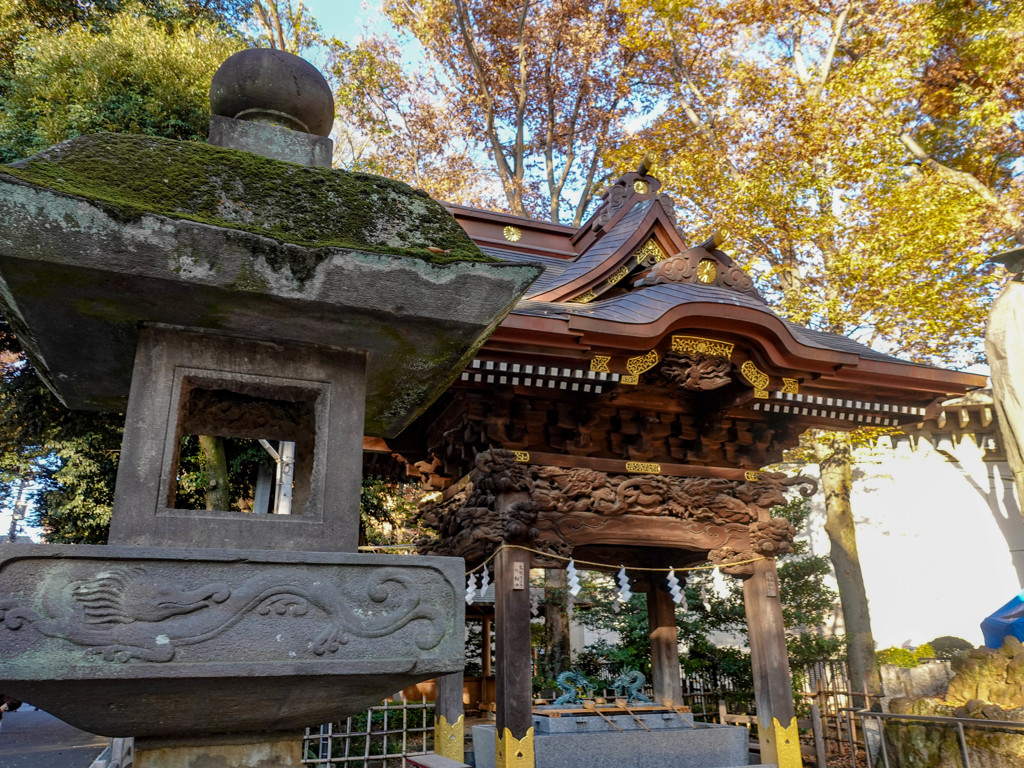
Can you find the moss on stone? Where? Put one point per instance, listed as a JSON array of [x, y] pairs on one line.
[[129, 176]]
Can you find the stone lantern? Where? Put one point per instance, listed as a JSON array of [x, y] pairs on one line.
[[225, 291]]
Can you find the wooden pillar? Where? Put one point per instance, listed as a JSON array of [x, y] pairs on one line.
[[661, 622], [485, 654], [513, 694], [449, 718], [777, 729]]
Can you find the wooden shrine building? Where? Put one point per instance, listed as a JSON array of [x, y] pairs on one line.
[[622, 413]]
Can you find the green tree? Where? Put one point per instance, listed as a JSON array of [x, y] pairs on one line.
[[63, 462], [68, 68], [386, 511], [136, 75], [806, 603]]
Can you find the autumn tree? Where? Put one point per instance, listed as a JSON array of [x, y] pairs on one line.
[[542, 87], [395, 121], [284, 25], [830, 140]]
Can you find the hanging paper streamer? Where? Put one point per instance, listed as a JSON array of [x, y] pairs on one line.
[[572, 578], [616, 605], [534, 605], [719, 585], [485, 581], [704, 598], [624, 591], [470, 589], [675, 589]]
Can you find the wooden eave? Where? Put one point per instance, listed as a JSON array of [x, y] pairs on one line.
[[540, 237], [548, 329]]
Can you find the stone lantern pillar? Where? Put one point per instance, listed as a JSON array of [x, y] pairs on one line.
[[212, 290]]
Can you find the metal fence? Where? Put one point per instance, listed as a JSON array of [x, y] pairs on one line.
[[878, 755], [380, 737], [826, 713]]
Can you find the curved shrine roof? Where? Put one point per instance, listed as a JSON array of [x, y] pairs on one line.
[[626, 280]]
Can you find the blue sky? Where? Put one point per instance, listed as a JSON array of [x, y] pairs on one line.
[[345, 19]]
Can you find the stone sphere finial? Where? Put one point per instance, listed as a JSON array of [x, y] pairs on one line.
[[272, 86]]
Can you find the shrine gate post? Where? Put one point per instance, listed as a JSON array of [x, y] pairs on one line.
[[449, 718], [773, 692], [661, 621]]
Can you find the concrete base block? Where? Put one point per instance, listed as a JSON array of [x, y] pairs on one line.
[[273, 141], [274, 750], [703, 746]]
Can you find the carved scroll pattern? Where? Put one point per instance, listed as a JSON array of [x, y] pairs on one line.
[[127, 613], [682, 268], [468, 522], [469, 527]]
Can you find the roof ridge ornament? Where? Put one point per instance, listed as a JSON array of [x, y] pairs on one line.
[[703, 264], [627, 187]]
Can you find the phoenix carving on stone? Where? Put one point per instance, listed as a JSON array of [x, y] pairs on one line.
[[125, 613]]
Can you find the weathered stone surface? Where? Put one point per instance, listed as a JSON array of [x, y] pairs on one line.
[[106, 232], [975, 674], [935, 745], [269, 750], [210, 384], [276, 86], [272, 141], [703, 746], [179, 642], [930, 679], [980, 689]]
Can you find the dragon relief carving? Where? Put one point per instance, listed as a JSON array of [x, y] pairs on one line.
[[467, 524], [127, 613], [697, 372], [772, 538]]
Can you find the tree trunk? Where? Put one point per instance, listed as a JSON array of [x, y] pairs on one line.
[[215, 462], [835, 460], [556, 624]]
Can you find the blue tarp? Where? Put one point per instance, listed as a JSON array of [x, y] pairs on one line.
[[1008, 620]]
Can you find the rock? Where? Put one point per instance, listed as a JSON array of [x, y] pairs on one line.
[[1011, 647], [987, 685], [1015, 670]]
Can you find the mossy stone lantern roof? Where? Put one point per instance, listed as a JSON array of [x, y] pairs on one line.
[[107, 232]]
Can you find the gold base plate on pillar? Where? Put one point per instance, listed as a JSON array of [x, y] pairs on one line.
[[450, 738], [787, 744], [511, 752]]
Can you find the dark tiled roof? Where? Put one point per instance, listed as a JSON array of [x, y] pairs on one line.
[[553, 267], [840, 343], [646, 305], [561, 271], [614, 239], [642, 305]]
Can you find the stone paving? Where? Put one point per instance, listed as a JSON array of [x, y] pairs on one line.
[[36, 739]]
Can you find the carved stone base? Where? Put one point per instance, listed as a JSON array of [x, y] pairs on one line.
[[154, 642], [271, 750]]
